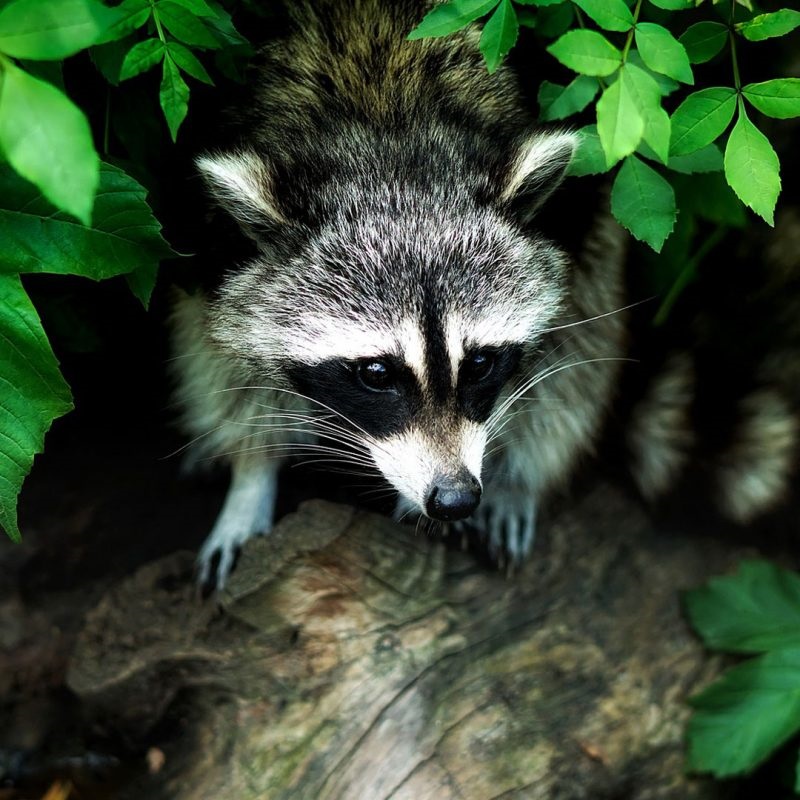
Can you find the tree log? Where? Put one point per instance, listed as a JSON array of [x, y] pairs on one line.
[[353, 658]]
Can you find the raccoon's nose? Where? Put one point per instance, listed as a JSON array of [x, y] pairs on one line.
[[452, 499]]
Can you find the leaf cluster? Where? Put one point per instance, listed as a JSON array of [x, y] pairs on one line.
[[63, 210], [631, 60], [754, 708]]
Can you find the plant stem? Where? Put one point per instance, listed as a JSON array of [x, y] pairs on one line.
[[157, 21], [734, 60], [629, 40], [686, 274], [107, 122]]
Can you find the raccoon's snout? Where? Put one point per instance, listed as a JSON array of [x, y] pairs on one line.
[[452, 499]]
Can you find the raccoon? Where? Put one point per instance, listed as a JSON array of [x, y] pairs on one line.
[[401, 311], [404, 306]]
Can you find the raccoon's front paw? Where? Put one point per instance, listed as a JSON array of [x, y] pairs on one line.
[[247, 511], [220, 551], [508, 520]]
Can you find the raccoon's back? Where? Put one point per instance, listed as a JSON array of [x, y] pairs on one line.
[[350, 64]]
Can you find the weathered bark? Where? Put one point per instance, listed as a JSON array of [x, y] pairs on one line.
[[352, 658]]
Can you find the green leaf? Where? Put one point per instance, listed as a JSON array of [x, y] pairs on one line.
[[132, 15], [647, 96], [767, 26], [779, 98], [620, 124], [700, 118], [662, 52], [223, 29], [665, 85], [184, 25], [673, 5], [703, 41], [558, 102], [499, 34], [141, 57], [197, 7], [709, 197], [447, 18], [188, 62], [53, 30], [527, 18], [623, 109], [125, 237], [752, 168], [643, 202], [32, 394], [555, 20], [108, 57], [586, 52], [46, 139], [124, 234], [643, 87], [589, 157], [174, 97], [742, 718], [706, 159], [657, 132], [612, 15], [142, 282], [755, 610]]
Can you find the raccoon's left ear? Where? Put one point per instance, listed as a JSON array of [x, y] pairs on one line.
[[242, 183], [537, 171]]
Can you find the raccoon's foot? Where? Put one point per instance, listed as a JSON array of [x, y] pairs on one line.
[[248, 511], [508, 520]]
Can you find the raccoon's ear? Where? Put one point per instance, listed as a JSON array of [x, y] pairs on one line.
[[242, 184], [537, 171]]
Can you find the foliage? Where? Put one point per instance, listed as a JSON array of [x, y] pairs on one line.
[[64, 210], [71, 206], [754, 708], [639, 60]]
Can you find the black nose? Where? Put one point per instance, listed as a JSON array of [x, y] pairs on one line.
[[453, 498]]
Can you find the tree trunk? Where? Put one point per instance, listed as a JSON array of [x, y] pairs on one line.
[[351, 658]]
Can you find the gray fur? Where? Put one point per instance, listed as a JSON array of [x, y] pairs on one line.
[[389, 187], [384, 178]]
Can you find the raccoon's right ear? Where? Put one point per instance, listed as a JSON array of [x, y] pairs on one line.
[[241, 182], [539, 166]]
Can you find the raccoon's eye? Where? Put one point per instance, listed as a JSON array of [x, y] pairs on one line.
[[477, 367], [375, 375]]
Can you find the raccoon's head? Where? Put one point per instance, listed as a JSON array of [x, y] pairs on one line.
[[403, 299]]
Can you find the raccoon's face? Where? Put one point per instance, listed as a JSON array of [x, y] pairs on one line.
[[407, 313]]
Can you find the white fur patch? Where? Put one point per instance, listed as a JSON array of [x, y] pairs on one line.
[[454, 340], [413, 346], [242, 183], [319, 338], [542, 157], [410, 461]]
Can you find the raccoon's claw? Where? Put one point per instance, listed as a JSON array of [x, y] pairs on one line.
[[217, 559], [511, 529]]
